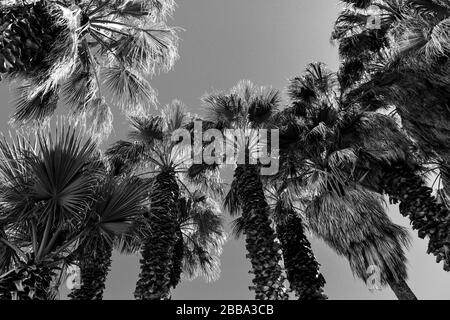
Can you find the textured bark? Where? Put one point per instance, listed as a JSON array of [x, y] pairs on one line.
[[94, 267], [301, 266], [26, 34], [157, 252], [177, 260], [27, 282], [262, 249], [429, 217], [402, 290]]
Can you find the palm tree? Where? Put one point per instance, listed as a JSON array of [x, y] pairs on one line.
[[247, 107], [403, 64], [115, 201], [364, 234], [86, 51], [166, 161], [301, 266], [200, 238], [333, 141], [375, 149], [48, 188]]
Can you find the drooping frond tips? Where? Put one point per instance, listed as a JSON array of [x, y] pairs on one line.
[[128, 87], [34, 107], [101, 119], [175, 116]]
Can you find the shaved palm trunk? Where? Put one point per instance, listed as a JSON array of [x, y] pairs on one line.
[[429, 217], [94, 267], [402, 290], [301, 266], [262, 249], [27, 282], [177, 260], [157, 252]]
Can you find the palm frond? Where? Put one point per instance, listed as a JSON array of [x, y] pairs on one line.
[[357, 227], [123, 156], [222, 109], [129, 88], [118, 205], [59, 177], [238, 227], [147, 129], [315, 84], [175, 116], [203, 236], [264, 106], [231, 202], [100, 118], [150, 49], [31, 106], [80, 89]]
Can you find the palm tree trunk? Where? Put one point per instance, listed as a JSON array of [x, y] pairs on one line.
[[301, 266], [262, 249], [94, 266], [157, 252], [429, 217], [402, 290], [27, 282], [177, 260]]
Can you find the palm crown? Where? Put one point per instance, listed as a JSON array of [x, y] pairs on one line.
[[406, 69], [90, 48], [244, 108], [56, 195], [186, 229]]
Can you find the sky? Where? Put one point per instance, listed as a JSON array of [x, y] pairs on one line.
[[267, 42]]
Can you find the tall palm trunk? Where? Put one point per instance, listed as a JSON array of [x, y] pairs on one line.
[[177, 260], [262, 249], [401, 289], [157, 252], [27, 282], [429, 217], [94, 266], [301, 266]]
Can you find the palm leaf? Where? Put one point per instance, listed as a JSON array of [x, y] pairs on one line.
[[128, 87]]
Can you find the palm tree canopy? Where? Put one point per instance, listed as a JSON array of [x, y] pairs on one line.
[[203, 235], [246, 106], [329, 156], [408, 69], [92, 47], [56, 194], [327, 140], [151, 142]]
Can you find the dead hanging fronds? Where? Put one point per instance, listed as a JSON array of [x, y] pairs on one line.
[[100, 118], [356, 226]]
